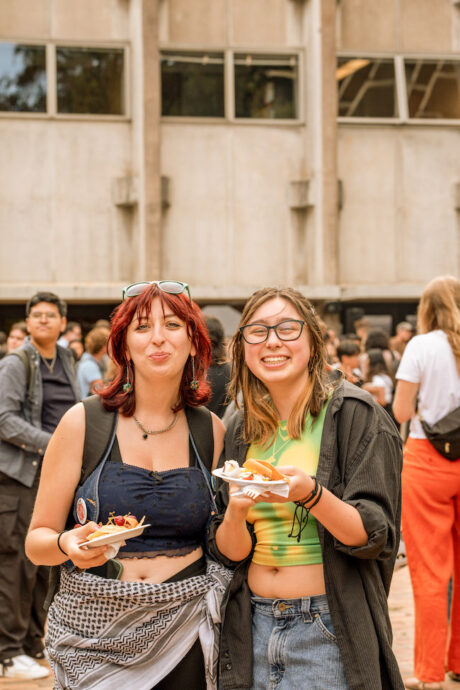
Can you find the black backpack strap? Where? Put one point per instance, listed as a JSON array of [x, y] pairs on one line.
[[26, 358], [199, 421], [99, 431]]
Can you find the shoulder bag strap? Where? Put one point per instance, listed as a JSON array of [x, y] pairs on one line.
[[199, 421], [100, 432]]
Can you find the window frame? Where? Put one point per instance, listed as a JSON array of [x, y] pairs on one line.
[[51, 80], [400, 89], [229, 85]]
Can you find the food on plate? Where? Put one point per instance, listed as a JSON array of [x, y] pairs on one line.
[[253, 470], [117, 523], [231, 468], [268, 472]]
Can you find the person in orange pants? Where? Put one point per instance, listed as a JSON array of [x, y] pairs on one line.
[[431, 528], [429, 388]]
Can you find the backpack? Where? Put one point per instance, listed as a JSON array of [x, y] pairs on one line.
[[26, 358], [99, 433]]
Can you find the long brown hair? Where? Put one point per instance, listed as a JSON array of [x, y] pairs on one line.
[[439, 308], [260, 419]]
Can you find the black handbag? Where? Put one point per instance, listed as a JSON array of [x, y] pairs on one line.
[[444, 435]]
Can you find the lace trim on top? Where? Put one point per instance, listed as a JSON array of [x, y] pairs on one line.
[[171, 553]]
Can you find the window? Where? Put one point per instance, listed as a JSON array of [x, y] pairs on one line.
[[22, 78], [87, 81], [366, 87], [192, 84], [90, 81], [433, 88], [266, 86], [398, 87]]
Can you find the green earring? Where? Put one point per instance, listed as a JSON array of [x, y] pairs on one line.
[[128, 386], [193, 383]]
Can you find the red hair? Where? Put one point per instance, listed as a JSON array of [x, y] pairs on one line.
[[113, 396]]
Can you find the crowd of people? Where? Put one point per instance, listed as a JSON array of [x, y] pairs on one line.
[[225, 589]]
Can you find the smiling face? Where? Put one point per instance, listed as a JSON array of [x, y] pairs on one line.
[[158, 343], [45, 324], [278, 362]]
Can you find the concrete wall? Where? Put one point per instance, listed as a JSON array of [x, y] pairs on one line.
[[397, 25], [57, 220], [229, 227], [229, 220], [398, 223], [65, 19]]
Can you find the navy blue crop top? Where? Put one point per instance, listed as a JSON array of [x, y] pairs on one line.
[[176, 503]]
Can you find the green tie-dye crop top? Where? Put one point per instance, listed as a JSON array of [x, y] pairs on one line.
[[273, 521]]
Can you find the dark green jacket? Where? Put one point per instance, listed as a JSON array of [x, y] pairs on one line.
[[360, 462]]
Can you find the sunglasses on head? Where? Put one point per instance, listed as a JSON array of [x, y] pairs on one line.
[[172, 287]]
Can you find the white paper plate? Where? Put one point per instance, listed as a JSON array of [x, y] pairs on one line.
[[247, 482], [114, 538]]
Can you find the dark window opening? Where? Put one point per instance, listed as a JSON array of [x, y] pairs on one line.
[[90, 81], [433, 88], [366, 87], [192, 84], [266, 87]]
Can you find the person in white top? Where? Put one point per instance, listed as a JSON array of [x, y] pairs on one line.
[[429, 386]]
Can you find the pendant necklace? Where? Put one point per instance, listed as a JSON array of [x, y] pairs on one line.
[[153, 432], [273, 459], [49, 365]]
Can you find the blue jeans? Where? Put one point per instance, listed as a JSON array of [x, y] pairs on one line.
[[295, 645]]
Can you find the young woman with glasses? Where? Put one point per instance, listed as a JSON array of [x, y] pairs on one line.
[[141, 621], [313, 569]]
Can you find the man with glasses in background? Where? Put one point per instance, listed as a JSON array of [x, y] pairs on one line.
[[38, 385]]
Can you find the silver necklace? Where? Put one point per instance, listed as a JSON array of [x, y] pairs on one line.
[[49, 366], [153, 432]]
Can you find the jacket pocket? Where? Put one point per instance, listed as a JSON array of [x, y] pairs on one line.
[[9, 506]]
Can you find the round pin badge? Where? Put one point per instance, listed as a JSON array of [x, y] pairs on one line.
[[82, 512]]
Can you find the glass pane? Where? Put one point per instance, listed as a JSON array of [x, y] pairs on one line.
[[22, 78], [266, 86], [90, 81], [366, 87], [192, 84], [433, 88]]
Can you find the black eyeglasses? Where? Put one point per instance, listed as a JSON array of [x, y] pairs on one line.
[[172, 287], [256, 333]]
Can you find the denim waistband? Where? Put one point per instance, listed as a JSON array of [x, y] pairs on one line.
[[303, 606]]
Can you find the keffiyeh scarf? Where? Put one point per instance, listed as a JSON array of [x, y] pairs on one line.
[[109, 634]]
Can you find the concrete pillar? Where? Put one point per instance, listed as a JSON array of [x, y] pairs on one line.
[[324, 143], [146, 97]]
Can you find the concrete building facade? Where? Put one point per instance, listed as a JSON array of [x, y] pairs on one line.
[[229, 144]]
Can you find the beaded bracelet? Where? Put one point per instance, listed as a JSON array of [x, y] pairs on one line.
[[58, 542]]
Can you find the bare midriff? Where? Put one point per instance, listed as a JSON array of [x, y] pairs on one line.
[[289, 582], [158, 569]]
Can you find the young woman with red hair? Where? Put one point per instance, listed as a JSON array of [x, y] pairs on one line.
[[150, 627]]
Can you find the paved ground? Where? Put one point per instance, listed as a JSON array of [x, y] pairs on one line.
[[402, 616]]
